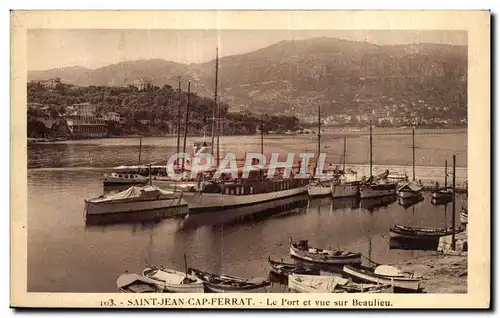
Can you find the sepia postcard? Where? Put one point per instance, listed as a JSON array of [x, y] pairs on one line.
[[250, 159]]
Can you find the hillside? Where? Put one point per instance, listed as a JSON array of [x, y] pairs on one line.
[[291, 76], [158, 106]]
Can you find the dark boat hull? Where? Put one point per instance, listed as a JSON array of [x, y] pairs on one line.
[[286, 269], [227, 284], [349, 258]]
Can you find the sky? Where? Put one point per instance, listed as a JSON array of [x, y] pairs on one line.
[[94, 48]]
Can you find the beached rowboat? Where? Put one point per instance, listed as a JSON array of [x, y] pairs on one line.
[[134, 283], [174, 281], [384, 274], [332, 284], [228, 284]]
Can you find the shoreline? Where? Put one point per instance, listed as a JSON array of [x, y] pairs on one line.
[[441, 274], [350, 130]]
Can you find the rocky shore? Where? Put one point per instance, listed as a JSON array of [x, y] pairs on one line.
[[440, 273]]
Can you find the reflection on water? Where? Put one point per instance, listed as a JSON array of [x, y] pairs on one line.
[[235, 242], [408, 202], [372, 204]]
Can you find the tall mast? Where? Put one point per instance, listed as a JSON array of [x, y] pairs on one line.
[[179, 118], [413, 153], [343, 156], [186, 123], [261, 135], [453, 208], [261, 144], [445, 174], [140, 150], [319, 135], [218, 106], [370, 149], [215, 99]]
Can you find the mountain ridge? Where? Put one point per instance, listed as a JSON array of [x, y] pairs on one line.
[[290, 75]]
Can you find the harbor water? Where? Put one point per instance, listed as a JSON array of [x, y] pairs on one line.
[[66, 254]]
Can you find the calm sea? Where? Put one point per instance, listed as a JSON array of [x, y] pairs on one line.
[[67, 255]]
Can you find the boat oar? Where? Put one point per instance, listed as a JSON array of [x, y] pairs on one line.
[[371, 261]]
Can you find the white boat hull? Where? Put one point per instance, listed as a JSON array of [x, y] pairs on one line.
[[118, 181], [169, 184], [198, 201], [464, 218], [369, 192], [170, 281], [393, 281], [344, 190], [100, 208], [441, 195], [323, 284], [318, 191], [180, 288], [408, 194]]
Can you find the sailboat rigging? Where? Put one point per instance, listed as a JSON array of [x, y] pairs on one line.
[[319, 187], [411, 189], [376, 187], [443, 195], [232, 192]]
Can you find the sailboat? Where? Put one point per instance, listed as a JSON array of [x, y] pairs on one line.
[[184, 165], [376, 186], [319, 187], [229, 192], [346, 184], [440, 195], [127, 175], [411, 189]]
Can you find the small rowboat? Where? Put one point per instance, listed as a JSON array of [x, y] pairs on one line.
[[384, 274], [464, 216], [413, 232], [442, 194], [286, 269], [134, 283], [302, 251], [174, 281], [225, 283], [332, 284]]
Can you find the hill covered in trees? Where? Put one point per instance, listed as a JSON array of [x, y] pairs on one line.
[[150, 112]]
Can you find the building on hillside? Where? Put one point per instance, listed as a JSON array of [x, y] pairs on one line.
[[83, 121], [143, 84], [84, 109], [83, 126], [112, 116], [50, 84]]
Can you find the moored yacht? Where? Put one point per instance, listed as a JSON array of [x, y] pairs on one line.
[[320, 188], [123, 178], [376, 186], [410, 189], [134, 199], [215, 195]]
